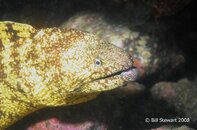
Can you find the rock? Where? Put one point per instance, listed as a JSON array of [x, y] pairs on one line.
[[182, 95], [159, 7], [131, 88], [167, 7], [55, 124], [173, 128]]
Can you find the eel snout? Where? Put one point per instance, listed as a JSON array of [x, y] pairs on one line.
[[130, 74]]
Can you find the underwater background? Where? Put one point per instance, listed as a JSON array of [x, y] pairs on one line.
[[162, 36]]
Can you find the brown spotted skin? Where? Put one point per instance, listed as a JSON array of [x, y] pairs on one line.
[[53, 67]]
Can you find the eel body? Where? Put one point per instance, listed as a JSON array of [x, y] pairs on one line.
[[54, 67]]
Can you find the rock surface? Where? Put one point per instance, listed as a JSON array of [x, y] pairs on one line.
[[173, 128], [182, 95]]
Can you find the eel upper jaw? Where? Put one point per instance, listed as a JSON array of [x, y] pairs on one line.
[[127, 74]]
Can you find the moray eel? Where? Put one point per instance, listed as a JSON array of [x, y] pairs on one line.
[[54, 67]]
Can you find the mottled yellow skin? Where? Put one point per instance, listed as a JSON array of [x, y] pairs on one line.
[[53, 67]]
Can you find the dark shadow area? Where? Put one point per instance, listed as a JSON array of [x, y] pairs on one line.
[[116, 111]]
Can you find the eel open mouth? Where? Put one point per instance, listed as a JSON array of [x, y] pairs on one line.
[[129, 74], [109, 82]]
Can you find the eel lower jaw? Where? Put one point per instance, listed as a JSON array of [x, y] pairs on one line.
[[109, 82], [130, 74], [113, 80]]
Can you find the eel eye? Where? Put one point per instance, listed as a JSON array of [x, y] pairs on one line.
[[98, 62]]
